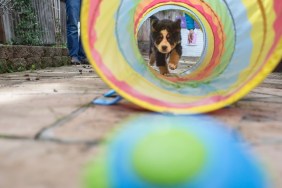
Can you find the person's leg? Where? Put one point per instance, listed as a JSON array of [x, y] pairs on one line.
[[81, 52], [73, 15]]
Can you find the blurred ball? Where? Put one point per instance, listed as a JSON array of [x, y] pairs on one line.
[[175, 151], [161, 157]]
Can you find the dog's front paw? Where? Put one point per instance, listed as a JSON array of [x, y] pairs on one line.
[[163, 70], [172, 66]]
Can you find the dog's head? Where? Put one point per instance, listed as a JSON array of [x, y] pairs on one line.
[[165, 34]]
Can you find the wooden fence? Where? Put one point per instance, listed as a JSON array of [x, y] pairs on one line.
[[51, 15]]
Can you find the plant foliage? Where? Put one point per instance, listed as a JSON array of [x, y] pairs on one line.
[[27, 30]]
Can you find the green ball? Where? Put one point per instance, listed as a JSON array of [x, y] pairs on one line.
[[95, 174], [168, 157]]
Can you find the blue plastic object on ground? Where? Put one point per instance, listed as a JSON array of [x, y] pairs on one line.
[[109, 98]]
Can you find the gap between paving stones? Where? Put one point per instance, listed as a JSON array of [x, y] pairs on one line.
[[53, 140], [43, 135], [266, 142]]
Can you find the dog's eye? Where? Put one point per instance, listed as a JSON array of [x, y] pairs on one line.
[[168, 37]]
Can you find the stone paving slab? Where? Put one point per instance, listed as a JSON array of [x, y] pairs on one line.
[[29, 106], [46, 116], [32, 113], [270, 157], [29, 164], [91, 125]]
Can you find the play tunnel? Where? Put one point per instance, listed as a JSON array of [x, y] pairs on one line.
[[243, 44]]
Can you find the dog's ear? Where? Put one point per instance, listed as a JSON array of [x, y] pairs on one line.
[[154, 24], [177, 25]]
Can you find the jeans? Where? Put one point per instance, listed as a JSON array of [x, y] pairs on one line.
[[73, 39]]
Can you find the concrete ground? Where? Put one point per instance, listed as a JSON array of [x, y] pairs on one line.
[[49, 129]]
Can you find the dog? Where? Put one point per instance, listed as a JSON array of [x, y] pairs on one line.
[[165, 43]]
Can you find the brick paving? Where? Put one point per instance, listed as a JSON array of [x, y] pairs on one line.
[[49, 129]]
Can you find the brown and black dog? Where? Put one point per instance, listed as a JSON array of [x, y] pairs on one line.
[[165, 42]]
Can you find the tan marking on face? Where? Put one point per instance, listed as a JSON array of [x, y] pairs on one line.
[[164, 43]]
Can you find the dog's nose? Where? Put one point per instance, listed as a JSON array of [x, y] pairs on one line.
[[164, 48]]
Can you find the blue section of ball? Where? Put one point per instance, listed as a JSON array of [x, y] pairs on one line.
[[228, 164]]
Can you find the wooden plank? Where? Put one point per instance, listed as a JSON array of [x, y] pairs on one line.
[[63, 22], [44, 13], [2, 33], [8, 22]]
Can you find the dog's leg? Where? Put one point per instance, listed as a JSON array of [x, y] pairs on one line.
[[152, 54], [152, 59], [164, 70], [161, 63], [173, 60]]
